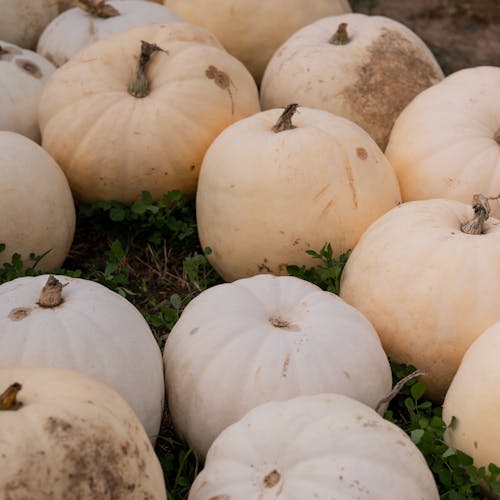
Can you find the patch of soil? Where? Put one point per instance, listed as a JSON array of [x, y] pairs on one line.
[[460, 33]]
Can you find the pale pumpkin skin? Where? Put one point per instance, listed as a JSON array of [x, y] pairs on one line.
[[94, 330], [369, 79], [265, 198], [474, 399], [321, 446], [23, 74], [112, 145], [75, 29], [446, 142], [428, 288], [265, 338], [252, 31], [22, 21], [73, 437], [38, 213]]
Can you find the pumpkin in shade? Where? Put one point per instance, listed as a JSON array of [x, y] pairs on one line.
[[252, 31], [364, 68], [427, 275], [64, 435], [273, 186], [77, 324], [314, 447], [474, 400], [36, 206], [264, 338], [136, 112], [22, 76], [446, 142], [94, 20]]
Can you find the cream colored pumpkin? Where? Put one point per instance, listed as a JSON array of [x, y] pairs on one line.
[[428, 287], [36, 206], [93, 330], [22, 76], [314, 447], [113, 143], [22, 21], [474, 399], [266, 338], [264, 198], [446, 142], [70, 32], [64, 436], [252, 31], [368, 74]]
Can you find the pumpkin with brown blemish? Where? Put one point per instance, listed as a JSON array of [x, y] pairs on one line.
[[122, 116], [272, 187], [364, 68], [64, 435]]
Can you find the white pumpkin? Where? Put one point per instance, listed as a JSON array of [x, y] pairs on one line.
[[22, 76], [314, 447], [90, 329], [265, 338], [474, 399], [63, 435], [446, 142], [76, 28], [364, 68], [36, 205]]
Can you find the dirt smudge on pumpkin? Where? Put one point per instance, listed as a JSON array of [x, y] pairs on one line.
[[350, 178], [284, 369], [19, 313], [394, 73], [222, 80], [30, 67], [220, 497], [272, 479]]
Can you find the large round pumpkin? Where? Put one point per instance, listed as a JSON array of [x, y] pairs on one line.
[[36, 206], [118, 127], [272, 187], [314, 447], [252, 31], [63, 435], [83, 25], [266, 338], [427, 275], [62, 322], [364, 68], [446, 142]]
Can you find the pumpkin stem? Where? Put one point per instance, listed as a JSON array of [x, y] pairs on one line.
[[340, 37], [481, 206], [97, 8], [51, 295], [496, 136], [8, 397], [285, 120], [139, 85], [397, 388]]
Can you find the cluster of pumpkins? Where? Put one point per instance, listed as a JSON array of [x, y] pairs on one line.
[[293, 124]]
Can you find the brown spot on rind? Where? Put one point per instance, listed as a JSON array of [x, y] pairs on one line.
[[272, 479], [19, 313], [361, 153], [220, 78], [30, 67]]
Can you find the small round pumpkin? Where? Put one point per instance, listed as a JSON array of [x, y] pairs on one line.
[[38, 213], [427, 275], [273, 186], [364, 68], [22, 76], [94, 20], [321, 446], [64, 435], [265, 338], [136, 112], [446, 142], [77, 324]]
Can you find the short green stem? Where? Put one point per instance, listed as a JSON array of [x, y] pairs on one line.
[[340, 37]]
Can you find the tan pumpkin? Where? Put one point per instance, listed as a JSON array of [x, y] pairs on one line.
[[38, 214], [446, 142], [118, 128], [364, 68], [252, 31], [272, 187], [427, 275]]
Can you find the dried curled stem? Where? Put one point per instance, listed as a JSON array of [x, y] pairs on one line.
[[139, 86], [97, 8], [340, 37], [481, 206], [397, 388], [51, 295], [8, 399], [285, 120]]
